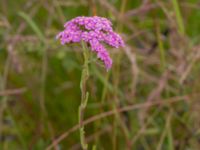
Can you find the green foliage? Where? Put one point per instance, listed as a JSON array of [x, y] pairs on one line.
[[39, 78]]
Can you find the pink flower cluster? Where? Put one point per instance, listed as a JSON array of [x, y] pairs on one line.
[[95, 31]]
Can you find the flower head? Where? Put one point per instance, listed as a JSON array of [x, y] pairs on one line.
[[95, 31]]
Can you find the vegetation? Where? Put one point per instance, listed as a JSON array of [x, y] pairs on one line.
[[149, 100]]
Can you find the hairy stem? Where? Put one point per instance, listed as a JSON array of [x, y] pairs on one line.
[[84, 95]]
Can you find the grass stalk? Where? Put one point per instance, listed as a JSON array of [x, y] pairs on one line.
[[178, 17], [161, 47], [116, 79]]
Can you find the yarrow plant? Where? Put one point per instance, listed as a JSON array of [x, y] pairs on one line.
[[96, 31]]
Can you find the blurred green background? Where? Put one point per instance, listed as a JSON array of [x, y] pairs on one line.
[[157, 74]]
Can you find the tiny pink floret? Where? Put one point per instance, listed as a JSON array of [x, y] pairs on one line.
[[95, 31]]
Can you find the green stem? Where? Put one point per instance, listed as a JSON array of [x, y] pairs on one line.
[[84, 95], [161, 46], [178, 17]]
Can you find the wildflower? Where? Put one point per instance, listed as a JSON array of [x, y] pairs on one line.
[[95, 31]]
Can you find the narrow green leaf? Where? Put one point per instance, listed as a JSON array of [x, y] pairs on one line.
[[33, 25]]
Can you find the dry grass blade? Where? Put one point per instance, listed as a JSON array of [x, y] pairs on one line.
[[193, 60], [141, 10], [109, 113], [12, 92]]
